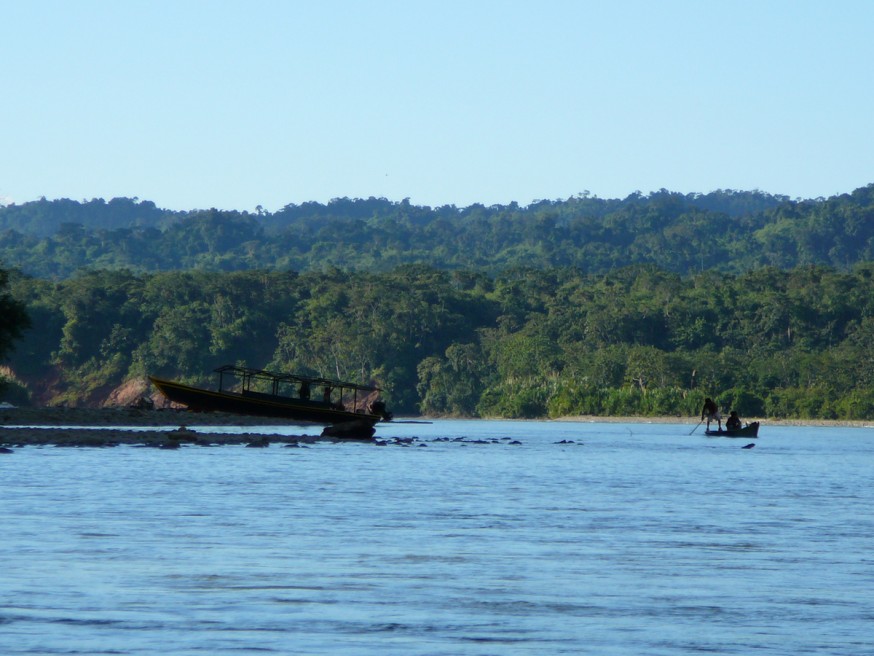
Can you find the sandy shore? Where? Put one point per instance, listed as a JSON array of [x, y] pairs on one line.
[[693, 421]]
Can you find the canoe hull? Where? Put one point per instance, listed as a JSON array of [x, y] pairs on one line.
[[263, 405], [750, 430]]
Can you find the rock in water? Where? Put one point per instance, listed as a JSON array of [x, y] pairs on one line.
[[359, 430]]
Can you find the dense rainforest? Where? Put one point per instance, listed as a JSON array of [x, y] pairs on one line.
[[525, 343], [640, 306], [726, 231]]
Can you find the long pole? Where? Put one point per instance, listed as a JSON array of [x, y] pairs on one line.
[[696, 427]]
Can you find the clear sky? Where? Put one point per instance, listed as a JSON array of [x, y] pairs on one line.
[[233, 104]]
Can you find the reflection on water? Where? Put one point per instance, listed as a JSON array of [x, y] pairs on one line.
[[460, 538]]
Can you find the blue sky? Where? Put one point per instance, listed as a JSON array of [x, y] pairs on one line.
[[227, 104]]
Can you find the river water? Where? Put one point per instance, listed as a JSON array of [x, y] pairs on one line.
[[472, 537]]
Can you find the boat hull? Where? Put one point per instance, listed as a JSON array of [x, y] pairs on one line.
[[750, 430], [263, 405]]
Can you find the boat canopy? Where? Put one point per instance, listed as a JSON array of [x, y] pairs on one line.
[[249, 378]]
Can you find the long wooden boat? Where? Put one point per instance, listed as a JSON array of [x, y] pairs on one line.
[[246, 391], [750, 430]]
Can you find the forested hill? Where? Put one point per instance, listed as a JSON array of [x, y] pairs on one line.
[[728, 231]]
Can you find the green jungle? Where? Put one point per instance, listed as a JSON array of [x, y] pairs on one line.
[[586, 306]]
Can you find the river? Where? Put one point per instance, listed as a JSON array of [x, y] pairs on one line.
[[456, 537]]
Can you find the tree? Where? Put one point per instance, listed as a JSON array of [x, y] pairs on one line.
[[452, 385], [14, 319]]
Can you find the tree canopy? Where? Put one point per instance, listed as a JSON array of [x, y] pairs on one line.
[[728, 231], [525, 343], [14, 320], [577, 306]]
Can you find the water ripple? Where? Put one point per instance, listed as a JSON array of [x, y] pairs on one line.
[[499, 538]]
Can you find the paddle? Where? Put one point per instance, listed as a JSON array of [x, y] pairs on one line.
[[696, 427]]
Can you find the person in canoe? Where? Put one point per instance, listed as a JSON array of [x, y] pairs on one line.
[[710, 411], [733, 421]]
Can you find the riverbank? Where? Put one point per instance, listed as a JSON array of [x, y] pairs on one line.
[[168, 428], [122, 416], [105, 427], [128, 416], [865, 423]]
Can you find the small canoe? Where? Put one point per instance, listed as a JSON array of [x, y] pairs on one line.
[[750, 430]]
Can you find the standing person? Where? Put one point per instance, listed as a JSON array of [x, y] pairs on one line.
[[710, 411]]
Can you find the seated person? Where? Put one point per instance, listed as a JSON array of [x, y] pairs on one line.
[[733, 421]]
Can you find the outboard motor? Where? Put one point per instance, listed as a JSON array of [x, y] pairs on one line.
[[378, 408]]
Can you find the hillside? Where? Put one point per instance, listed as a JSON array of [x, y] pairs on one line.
[[728, 231], [582, 306], [527, 343]]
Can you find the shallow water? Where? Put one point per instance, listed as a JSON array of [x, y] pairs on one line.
[[479, 537]]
